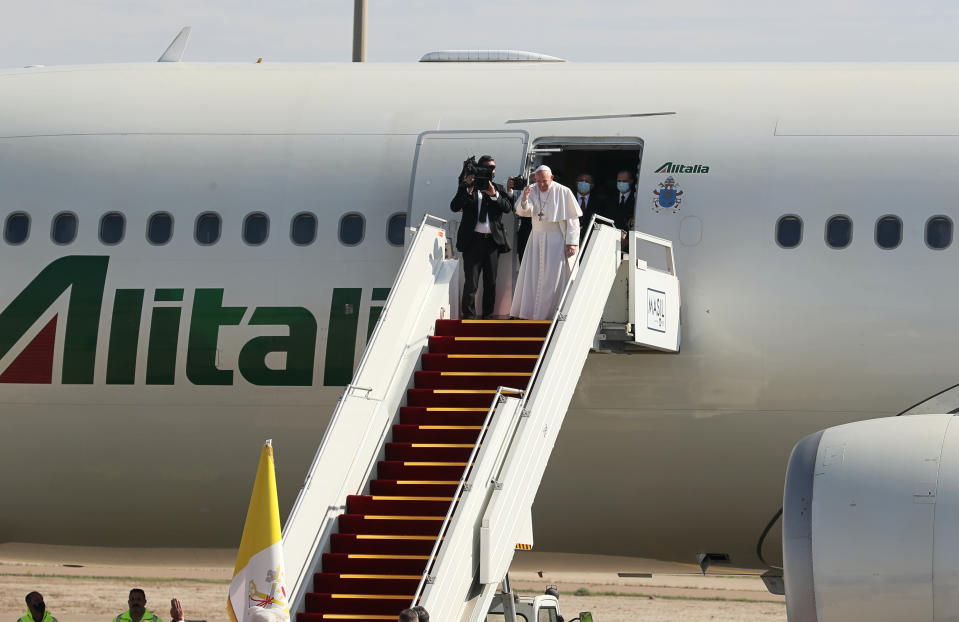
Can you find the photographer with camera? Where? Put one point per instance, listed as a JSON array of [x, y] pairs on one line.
[[481, 236]]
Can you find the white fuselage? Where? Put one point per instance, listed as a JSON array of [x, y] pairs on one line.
[[662, 455]]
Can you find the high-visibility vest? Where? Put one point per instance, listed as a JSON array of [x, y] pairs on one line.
[[46, 617], [148, 616]]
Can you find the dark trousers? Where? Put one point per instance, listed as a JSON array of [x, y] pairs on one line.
[[522, 235], [482, 256]]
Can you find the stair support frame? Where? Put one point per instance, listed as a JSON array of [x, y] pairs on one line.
[[351, 443]]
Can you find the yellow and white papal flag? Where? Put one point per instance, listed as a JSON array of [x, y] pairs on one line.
[[258, 591]]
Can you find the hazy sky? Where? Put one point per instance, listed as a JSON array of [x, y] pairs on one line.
[[56, 32]]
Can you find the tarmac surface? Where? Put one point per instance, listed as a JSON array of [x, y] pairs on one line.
[[86, 584]]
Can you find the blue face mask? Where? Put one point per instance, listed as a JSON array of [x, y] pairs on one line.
[[583, 187], [622, 186]]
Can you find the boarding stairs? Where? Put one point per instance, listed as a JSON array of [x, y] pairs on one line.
[[422, 488]]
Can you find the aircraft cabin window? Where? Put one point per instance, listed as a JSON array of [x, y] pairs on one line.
[[17, 228], [396, 229], [352, 227], [256, 227], [838, 231], [64, 228], [789, 231], [207, 228], [112, 227], [938, 232], [159, 228], [303, 229], [888, 232]]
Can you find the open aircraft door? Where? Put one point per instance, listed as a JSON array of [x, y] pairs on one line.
[[654, 300], [436, 167]]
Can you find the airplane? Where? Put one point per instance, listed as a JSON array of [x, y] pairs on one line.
[[194, 256]]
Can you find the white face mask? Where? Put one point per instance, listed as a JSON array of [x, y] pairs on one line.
[[622, 186]]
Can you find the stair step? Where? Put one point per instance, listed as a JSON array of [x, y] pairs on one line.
[[401, 470], [469, 380], [478, 362], [487, 328], [378, 524], [355, 603], [385, 537], [355, 563], [429, 452], [345, 583], [403, 433], [421, 415], [419, 488], [381, 543], [415, 506], [451, 398], [485, 345]]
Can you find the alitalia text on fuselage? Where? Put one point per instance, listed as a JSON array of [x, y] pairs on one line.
[[84, 280]]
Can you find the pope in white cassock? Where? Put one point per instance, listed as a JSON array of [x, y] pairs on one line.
[[552, 244]]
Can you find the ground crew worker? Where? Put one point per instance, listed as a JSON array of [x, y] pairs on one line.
[[37, 609], [138, 609]]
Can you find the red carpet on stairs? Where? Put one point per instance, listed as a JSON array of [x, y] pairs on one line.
[[384, 539]]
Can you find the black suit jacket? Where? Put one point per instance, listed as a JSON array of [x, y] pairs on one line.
[[495, 208], [595, 205], [621, 215]]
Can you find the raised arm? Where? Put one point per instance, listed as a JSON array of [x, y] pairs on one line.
[[460, 199], [523, 206]]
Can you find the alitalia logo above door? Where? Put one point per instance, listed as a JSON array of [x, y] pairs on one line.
[[669, 167], [28, 350]]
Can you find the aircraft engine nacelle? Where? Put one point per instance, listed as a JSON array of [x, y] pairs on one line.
[[871, 522]]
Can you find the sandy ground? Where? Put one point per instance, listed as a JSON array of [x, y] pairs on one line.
[[83, 584]]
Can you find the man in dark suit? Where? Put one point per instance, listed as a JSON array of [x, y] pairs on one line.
[[481, 237], [624, 201], [589, 202]]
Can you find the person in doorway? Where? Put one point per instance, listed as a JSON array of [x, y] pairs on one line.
[[554, 241], [523, 225], [36, 609], [589, 202], [481, 236], [625, 203]]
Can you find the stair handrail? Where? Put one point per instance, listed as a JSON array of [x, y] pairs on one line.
[[501, 393], [557, 316], [347, 391], [351, 387], [399, 275]]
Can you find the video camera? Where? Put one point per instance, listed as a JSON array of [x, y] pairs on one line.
[[482, 174]]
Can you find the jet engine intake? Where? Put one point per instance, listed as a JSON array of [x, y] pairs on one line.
[[871, 522]]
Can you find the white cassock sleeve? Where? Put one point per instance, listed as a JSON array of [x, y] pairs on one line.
[[570, 208], [524, 208], [572, 232]]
